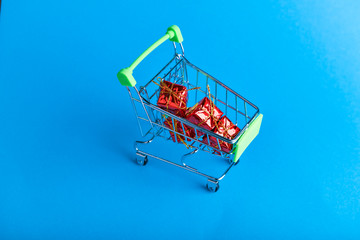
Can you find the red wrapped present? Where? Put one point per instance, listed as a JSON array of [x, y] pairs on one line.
[[204, 114], [225, 128], [178, 128], [173, 97]]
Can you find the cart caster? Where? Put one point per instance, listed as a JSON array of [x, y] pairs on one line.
[[212, 186], [141, 159]]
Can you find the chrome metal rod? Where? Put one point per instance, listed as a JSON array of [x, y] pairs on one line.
[[187, 155], [186, 168], [143, 142]]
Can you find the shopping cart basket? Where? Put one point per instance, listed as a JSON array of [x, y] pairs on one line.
[[151, 118]]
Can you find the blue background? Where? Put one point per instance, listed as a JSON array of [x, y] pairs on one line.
[[67, 126]]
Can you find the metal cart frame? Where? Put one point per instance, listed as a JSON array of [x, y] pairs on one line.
[[245, 114]]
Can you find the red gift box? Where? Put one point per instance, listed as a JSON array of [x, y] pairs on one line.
[[178, 128], [204, 114], [225, 128], [173, 98]]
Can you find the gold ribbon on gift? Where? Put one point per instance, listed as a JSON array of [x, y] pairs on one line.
[[211, 113], [169, 90], [172, 93], [176, 130]]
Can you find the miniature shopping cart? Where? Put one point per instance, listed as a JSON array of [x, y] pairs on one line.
[[151, 118]]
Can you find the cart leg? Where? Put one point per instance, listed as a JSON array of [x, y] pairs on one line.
[[231, 161], [212, 186], [141, 157], [187, 155]]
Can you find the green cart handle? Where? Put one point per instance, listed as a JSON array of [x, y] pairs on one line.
[[125, 75]]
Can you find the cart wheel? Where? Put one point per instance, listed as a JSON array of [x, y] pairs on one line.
[[141, 160], [212, 186]]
